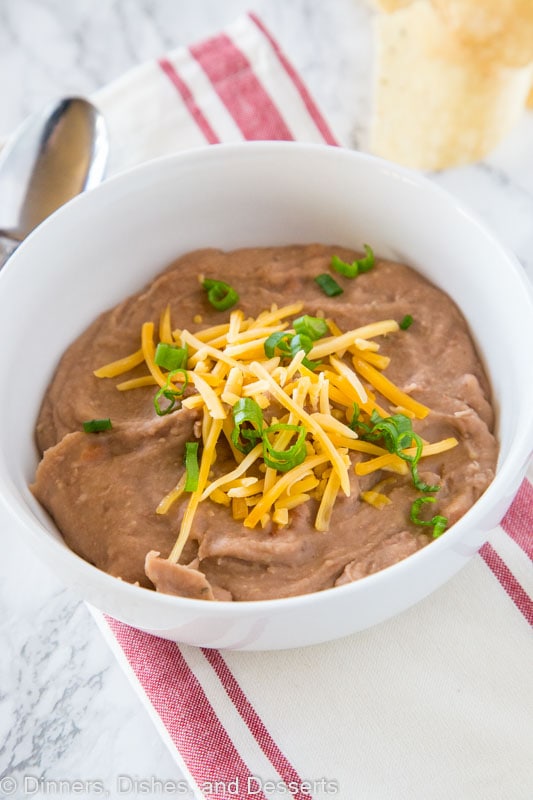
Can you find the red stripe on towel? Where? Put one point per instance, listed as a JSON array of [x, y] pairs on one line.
[[506, 578], [254, 722], [185, 711], [188, 99], [517, 521], [309, 103], [234, 81]]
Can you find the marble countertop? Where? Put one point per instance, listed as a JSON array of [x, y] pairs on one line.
[[66, 710]]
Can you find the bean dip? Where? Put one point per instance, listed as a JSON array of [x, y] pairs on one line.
[[103, 490]]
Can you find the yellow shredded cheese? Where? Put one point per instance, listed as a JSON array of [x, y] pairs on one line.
[[147, 343], [227, 362], [334, 344], [303, 484], [391, 460], [350, 377], [165, 327], [281, 516], [378, 360], [327, 502], [268, 499], [329, 423], [136, 383], [188, 338], [387, 461], [218, 496], [376, 499], [239, 509], [389, 389], [277, 314], [208, 334], [306, 418], [292, 501], [239, 470], [436, 447], [236, 319], [254, 332], [170, 498], [205, 465], [120, 366], [210, 398]]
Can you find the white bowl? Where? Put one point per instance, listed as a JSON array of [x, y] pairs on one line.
[[109, 242]]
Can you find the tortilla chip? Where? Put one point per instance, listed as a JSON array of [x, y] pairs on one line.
[[502, 28], [438, 103]]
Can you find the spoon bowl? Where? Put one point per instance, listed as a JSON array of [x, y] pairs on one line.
[[53, 156]]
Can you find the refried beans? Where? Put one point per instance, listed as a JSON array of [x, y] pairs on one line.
[[104, 490]]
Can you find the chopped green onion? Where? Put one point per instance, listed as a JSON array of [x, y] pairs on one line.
[[343, 268], [356, 424], [284, 460], [356, 267], [438, 522], [406, 322], [313, 327], [299, 341], [221, 295], [192, 470], [302, 342], [97, 425], [246, 411], [280, 340], [328, 285], [397, 434], [288, 345], [170, 356], [170, 392], [419, 483]]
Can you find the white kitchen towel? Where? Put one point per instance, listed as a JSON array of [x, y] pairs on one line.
[[436, 704]]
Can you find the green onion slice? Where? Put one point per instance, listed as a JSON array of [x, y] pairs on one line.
[[397, 434], [221, 295], [248, 421], [280, 340], [192, 470], [302, 342], [357, 425], [328, 285], [406, 322], [357, 267], [170, 392], [313, 327], [288, 344], [170, 356], [438, 522], [97, 425], [419, 483], [284, 460]]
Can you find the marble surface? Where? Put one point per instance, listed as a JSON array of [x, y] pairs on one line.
[[66, 710]]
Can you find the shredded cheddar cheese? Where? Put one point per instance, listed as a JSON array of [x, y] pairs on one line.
[[148, 349], [120, 366], [388, 389], [376, 499], [226, 364], [165, 328]]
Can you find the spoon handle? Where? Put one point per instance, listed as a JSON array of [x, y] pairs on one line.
[[7, 248]]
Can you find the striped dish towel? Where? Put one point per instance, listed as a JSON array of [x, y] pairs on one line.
[[436, 703]]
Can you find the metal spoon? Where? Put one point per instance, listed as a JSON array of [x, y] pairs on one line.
[[53, 156]]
